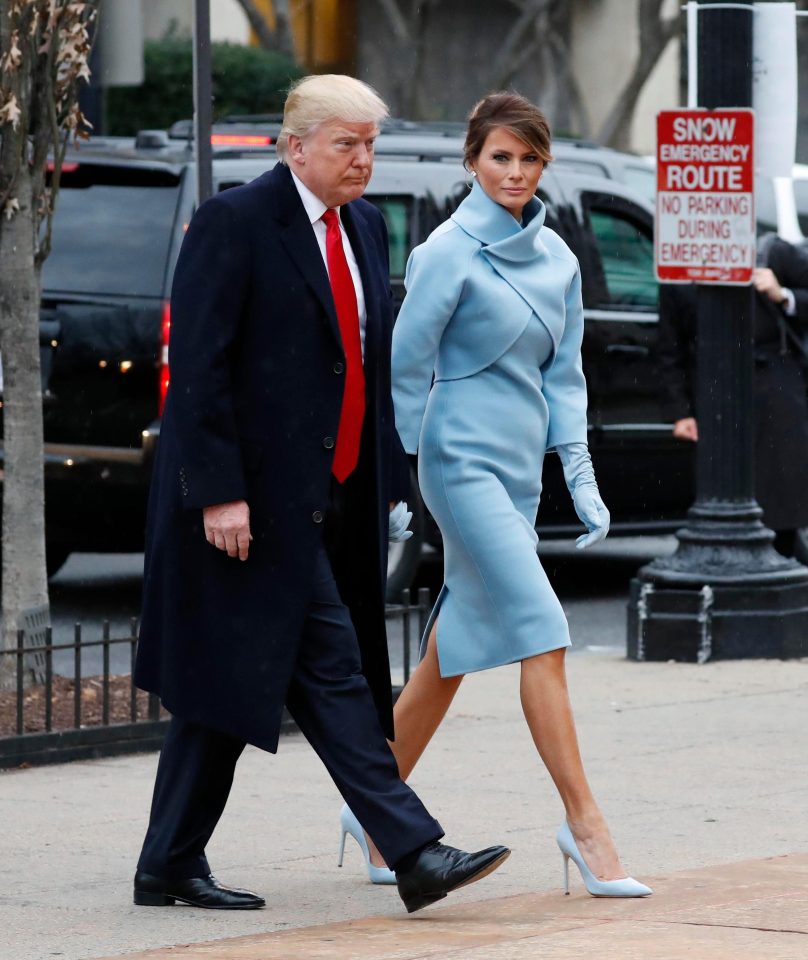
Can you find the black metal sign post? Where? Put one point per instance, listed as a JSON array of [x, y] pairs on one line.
[[725, 593], [203, 100]]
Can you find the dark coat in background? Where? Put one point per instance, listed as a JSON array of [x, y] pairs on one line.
[[781, 403], [257, 379]]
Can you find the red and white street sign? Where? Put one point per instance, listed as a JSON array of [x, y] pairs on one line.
[[705, 221]]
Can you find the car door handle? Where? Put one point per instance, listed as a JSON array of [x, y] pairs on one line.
[[628, 349]]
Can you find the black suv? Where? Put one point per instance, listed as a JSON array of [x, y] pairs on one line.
[[123, 207]]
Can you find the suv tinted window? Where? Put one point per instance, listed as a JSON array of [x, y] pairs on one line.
[[112, 231], [396, 213], [627, 258]]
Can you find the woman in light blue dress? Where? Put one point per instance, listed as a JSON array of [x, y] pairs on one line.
[[493, 315]]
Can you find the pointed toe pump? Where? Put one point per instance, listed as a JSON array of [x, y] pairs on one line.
[[625, 887], [349, 824]]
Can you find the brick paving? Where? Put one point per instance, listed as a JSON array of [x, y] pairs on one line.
[[754, 910]]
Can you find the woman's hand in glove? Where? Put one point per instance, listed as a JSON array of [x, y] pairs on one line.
[[592, 513], [583, 488], [400, 518]]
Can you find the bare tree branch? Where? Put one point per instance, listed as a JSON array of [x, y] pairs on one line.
[[501, 67], [655, 34], [417, 102], [411, 34], [536, 49], [398, 22], [566, 78], [280, 38], [283, 28], [258, 23]]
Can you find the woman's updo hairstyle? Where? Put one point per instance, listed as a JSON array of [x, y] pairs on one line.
[[516, 114]]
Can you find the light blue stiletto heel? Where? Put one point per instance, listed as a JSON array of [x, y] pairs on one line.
[[625, 887], [349, 824]]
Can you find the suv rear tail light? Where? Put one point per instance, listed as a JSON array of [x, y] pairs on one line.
[[240, 140], [67, 166], [165, 332]]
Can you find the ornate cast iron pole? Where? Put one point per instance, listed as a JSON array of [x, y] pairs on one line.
[[725, 592]]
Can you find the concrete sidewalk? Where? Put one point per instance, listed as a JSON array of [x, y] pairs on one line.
[[695, 767]]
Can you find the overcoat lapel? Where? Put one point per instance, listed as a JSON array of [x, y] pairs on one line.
[[298, 238]]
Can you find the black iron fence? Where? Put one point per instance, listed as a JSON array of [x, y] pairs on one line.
[[50, 715]]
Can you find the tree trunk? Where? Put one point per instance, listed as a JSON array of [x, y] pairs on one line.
[[655, 34], [24, 580], [283, 28], [502, 69], [419, 95], [411, 31], [279, 39]]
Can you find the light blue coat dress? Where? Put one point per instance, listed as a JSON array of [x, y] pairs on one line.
[[493, 311]]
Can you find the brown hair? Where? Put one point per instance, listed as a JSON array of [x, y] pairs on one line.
[[516, 114]]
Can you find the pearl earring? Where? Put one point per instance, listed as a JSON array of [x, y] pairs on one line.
[[474, 173]]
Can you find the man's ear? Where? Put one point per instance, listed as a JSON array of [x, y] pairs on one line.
[[297, 151]]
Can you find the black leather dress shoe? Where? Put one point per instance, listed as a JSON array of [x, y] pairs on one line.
[[204, 892], [440, 869]]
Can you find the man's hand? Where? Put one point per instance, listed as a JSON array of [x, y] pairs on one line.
[[766, 282], [686, 429], [227, 527]]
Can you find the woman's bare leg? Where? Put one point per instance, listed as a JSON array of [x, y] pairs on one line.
[[417, 715], [547, 708], [421, 707]]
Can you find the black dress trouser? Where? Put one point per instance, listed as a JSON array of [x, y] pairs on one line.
[[331, 703]]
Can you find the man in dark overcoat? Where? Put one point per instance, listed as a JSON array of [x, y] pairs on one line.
[[268, 517], [781, 405]]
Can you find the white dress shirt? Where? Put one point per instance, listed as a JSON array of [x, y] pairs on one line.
[[315, 208]]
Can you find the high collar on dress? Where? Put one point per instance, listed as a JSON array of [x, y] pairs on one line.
[[501, 235]]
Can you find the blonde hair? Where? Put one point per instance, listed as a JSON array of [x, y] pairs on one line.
[[328, 96]]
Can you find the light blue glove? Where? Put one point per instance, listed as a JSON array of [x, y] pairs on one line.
[[400, 518], [584, 491]]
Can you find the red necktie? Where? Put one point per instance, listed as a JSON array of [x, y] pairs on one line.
[[352, 414]]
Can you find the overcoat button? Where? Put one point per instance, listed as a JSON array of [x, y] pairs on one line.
[[339, 367], [317, 516], [328, 443]]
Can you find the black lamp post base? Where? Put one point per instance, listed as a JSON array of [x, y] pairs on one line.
[[717, 623], [725, 594]]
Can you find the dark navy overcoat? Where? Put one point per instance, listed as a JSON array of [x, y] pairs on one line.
[[257, 378]]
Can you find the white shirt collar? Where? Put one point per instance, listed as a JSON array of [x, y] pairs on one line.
[[313, 205]]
